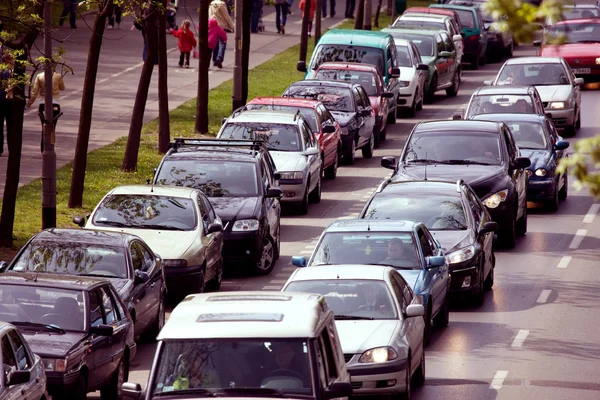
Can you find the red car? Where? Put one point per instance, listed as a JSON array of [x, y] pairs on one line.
[[437, 11], [370, 79], [323, 124], [580, 48]]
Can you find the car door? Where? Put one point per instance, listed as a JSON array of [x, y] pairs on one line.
[[393, 84], [433, 276], [328, 145], [370, 119], [272, 206], [363, 133], [146, 294], [441, 63], [99, 346], [313, 161], [416, 60], [26, 361], [479, 219], [575, 88], [517, 175], [458, 44], [116, 318], [452, 62], [483, 35], [553, 137], [211, 242]]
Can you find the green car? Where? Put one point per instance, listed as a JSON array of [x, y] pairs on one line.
[[438, 52], [357, 46]]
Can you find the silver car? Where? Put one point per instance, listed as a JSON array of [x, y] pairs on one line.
[[292, 145], [379, 321], [558, 88]]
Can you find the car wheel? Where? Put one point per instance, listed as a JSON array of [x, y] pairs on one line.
[[552, 204], [367, 151], [475, 62], [113, 390], [427, 319], [412, 111], [377, 133], [452, 91], [489, 281], [303, 206], [509, 234], [419, 375], [431, 90], [509, 50], [351, 155], [278, 242], [315, 195], [479, 297], [331, 171], [383, 134], [215, 283], [406, 395], [522, 222], [419, 106], [578, 123], [265, 265], [562, 194], [79, 391], [442, 318], [200, 286], [482, 59], [391, 118]]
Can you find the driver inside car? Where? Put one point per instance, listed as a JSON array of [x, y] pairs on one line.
[[398, 256], [478, 150], [372, 302], [287, 371]]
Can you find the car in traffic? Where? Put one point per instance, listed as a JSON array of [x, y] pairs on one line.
[[574, 11], [125, 260], [364, 47], [292, 145], [241, 182], [455, 217], [370, 79], [438, 52], [246, 344], [483, 154], [379, 321], [537, 139], [413, 74], [176, 222], [78, 326], [24, 376], [350, 105], [577, 42], [326, 129], [553, 79], [504, 100], [407, 246]]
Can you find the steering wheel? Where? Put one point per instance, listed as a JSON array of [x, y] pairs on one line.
[[49, 318], [284, 372]]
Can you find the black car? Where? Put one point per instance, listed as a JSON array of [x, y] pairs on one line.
[[126, 260], [240, 180], [455, 216], [350, 106], [483, 154], [537, 138], [78, 326]]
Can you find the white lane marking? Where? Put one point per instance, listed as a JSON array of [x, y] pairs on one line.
[[564, 262], [591, 214], [498, 380], [280, 281], [272, 287], [347, 217], [578, 238], [544, 296], [305, 252], [520, 338]]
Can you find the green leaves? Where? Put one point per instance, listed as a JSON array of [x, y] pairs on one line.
[[586, 155]]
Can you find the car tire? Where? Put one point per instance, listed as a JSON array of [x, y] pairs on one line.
[[479, 297], [442, 318], [431, 90], [315, 196], [475, 62], [419, 106], [215, 283], [552, 204], [383, 134], [509, 50], [303, 206], [265, 265], [391, 118], [482, 60], [377, 133], [508, 236], [418, 377], [489, 280], [113, 391], [522, 223], [412, 111], [452, 91], [367, 150], [578, 123], [406, 395], [331, 171], [79, 391], [351, 155], [200, 286], [278, 242], [564, 192], [427, 320]]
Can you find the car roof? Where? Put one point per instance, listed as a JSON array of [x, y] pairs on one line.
[[46, 279], [156, 190], [428, 186], [344, 272], [424, 17], [357, 37], [414, 31], [213, 153], [533, 60], [285, 101], [85, 236], [274, 117], [402, 42], [426, 10], [457, 126], [581, 5], [375, 225], [453, 6], [317, 82], [503, 89], [246, 314], [510, 118], [349, 66]]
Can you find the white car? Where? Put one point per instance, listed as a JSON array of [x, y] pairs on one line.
[[379, 320], [412, 75], [178, 223]]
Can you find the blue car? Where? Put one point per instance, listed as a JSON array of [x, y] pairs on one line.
[[537, 139], [405, 245]]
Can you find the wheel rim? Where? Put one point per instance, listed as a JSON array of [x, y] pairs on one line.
[[267, 255]]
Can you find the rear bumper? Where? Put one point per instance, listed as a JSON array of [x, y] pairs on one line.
[[541, 189], [293, 191]]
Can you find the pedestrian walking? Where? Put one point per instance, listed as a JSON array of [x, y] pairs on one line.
[[290, 4], [58, 85], [311, 14], [350, 5], [215, 32], [219, 10], [139, 24], [117, 14], [172, 7], [256, 17], [331, 8], [5, 101], [69, 7], [281, 13], [186, 42]]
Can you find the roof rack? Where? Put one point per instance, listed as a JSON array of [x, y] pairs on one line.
[[254, 145]]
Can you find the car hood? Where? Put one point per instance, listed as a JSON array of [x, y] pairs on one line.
[[52, 345], [452, 240], [407, 73], [359, 336], [539, 158], [343, 118], [288, 161], [471, 174], [572, 50], [234, 208], [554, 92], [411, 276]]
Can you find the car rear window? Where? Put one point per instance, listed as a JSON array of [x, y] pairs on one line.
[[467, 18], [576, 13], [334, 98], [278, 137], [423, 43], [309, 113], [348, 53], [415, 23], [575, 33], [528, 135], [500, 104]]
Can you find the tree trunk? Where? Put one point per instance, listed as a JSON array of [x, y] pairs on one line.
[[164, 129], [246, 16], [87, 107], [360, 15], [204, 63], [377, 12], [137, 116], [368, 15], [304, 31]]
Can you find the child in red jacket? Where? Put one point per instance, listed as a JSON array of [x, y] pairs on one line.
[[186, 42]]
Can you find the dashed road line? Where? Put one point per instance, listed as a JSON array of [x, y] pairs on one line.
[[578, 238], [280, 281], [272, 287], [591, 214], [564, 262], [305, 252], [498, 380], [520, 338], [544, 296]]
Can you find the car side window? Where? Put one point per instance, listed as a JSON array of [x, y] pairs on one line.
[[357, 98], [416, 54], [109, 307], [427, 252], [398, 293], [203, 213], [331, 367], [265, 175], [96, 317], [327, 117], [551, 131], [321, 363], [439, 42], [8, 356], [363, 95], [141, 257], [210, 213], [448, 44], [432, 243], [474, 205], [406, 292], [480, 20], [391, 61], [23, 360], [306, 136]]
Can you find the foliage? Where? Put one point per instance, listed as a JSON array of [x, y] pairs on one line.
[[587, 151]]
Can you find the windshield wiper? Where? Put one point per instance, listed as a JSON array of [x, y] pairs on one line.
[[351, 317], [176, 203], [422, 161], [465, 162], [384, 264], [160, 227], [50, 327], [252, 391], [100, 275], [115, 223], [179, 392]]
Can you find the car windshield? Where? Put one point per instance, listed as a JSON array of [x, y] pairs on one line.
[[233, 366], [278, 137], [367, 248], [347, 53], [365, 79], [403, 56], [356, 298], [72, 258], [500, 104], [438, 213], [419, 23], [575, 33], [528, 135], [467, 18], [579, 12], [453, 148], [213, 178], [309, 113], [146, 212], [534, 74], [423, 43], [22, 305], [334, 98]]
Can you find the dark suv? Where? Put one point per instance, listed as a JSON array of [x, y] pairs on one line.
[[240, 180]]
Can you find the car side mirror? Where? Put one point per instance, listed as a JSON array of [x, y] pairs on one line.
[[456, 117], [102, 330], [214, 227], [559, 145], [521, 162], [79, 220], [328, 128], [537, 43], [387, 95], [338, 389], [414, 310], [395, 73], [579, 81], [388, 162], [131, 390], [311, 151], [488, 83], [16, 377], [445, 54], [140, 276], [301, 66], [274, 193], [488, 227], [456, 38], [3, 266], [435, 261], [423, 67], [299, 261]]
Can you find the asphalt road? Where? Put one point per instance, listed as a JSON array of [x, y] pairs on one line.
[[535, 336]]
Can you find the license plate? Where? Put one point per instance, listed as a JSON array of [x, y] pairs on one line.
[[581, 70]]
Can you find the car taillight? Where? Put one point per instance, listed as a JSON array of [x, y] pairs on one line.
[[474, 37]]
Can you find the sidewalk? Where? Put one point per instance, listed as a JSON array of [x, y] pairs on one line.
[[117, 81]]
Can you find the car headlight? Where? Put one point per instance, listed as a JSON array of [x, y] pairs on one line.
[[464, 254], [558, 105], [378, 355], [292, 175], [52, 365], [344, 130], [175, 263], [494, 200], [540, 172], [404, 83], [598, 61], [245, 225]]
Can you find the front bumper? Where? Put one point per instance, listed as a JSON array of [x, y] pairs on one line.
[[59, 383], [465, 277], [293, 190], [182, 275], [502, 215], [541, 189], [406, 97], [378, 379], [242, 247], [347, 143], [562, 118]]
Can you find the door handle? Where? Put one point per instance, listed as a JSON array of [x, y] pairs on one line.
[[153, 284]]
